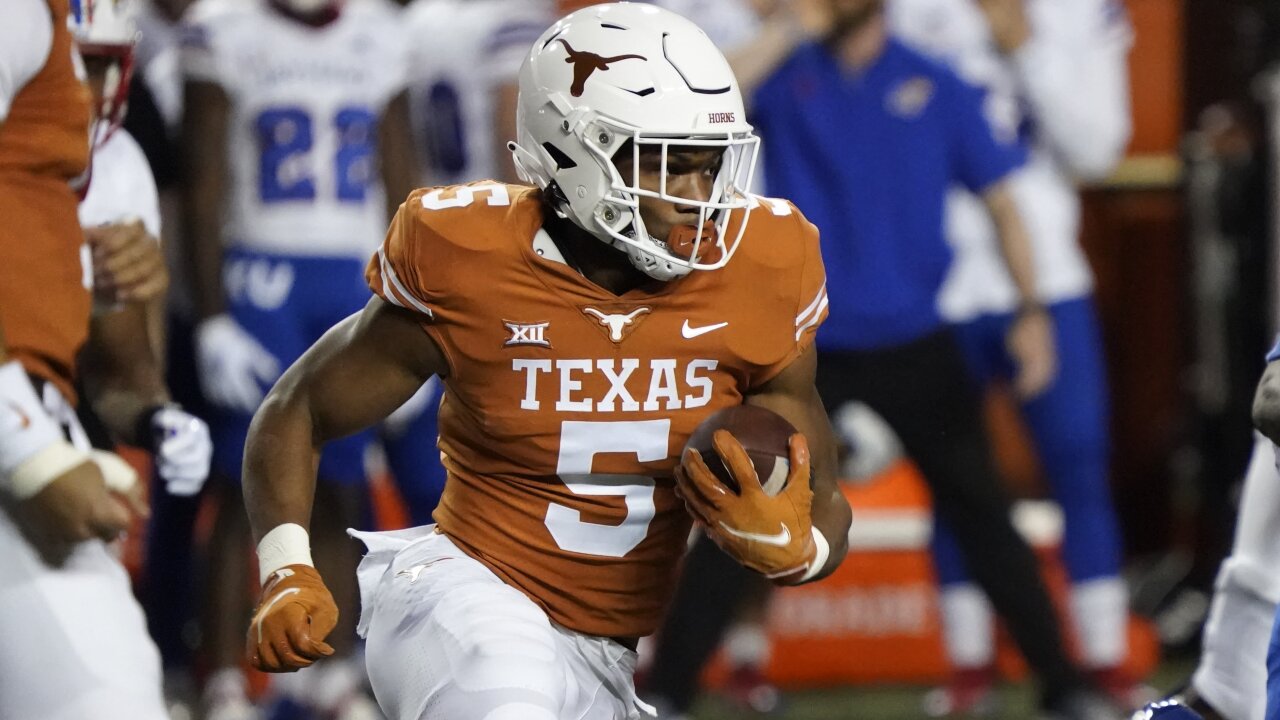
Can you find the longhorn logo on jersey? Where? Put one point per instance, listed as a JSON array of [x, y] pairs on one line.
[[620, 325], [586, 63]]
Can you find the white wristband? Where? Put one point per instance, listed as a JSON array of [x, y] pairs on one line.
[[118, 474], [820, 557], [46, 465], [285, 545], [25, 426]]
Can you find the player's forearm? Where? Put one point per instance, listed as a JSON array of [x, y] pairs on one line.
[[1014, 240], [830, 513], [157, 311], [204, 132], [204, 256], [832, 517], [122, 377], [398, 159], [280, 460], [326, 395]]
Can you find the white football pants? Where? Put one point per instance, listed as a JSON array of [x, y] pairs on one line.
[[73, 641], [448, 640], [1232, 675]]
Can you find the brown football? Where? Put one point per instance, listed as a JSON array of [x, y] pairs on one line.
[[762, 433]]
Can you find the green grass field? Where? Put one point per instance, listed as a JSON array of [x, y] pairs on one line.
[[1016, 702]]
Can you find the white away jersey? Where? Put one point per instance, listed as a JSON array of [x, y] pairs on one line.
[[474, 48], [1066, 93], [122, 187], [305, 109]]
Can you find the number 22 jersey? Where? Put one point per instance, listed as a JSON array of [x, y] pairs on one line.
[[303, 127], [567, 407]]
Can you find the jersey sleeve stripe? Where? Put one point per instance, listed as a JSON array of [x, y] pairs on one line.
[[817, 317], [819, 299], [396, 292]]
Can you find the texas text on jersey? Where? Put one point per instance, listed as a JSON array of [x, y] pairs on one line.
[[567, 406]]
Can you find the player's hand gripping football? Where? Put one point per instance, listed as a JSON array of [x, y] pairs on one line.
[[294, 616], [769, 534]]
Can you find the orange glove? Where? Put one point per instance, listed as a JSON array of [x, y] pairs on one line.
[[289, 627], [771, 535]]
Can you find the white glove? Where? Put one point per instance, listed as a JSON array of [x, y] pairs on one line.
[[182, 449], [232, 362]]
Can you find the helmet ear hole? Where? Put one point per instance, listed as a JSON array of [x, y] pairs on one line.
[[563, 161]]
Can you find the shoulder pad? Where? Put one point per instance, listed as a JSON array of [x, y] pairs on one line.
[[475, 216]]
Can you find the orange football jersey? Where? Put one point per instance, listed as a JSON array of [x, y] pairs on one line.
[[567, 407], [44, 145]]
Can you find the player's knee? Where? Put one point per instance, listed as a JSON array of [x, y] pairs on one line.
[[508, 653], [498, 685], [496, 668]]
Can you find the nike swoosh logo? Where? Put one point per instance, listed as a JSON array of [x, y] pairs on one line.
[[781, 539], [690, 332]]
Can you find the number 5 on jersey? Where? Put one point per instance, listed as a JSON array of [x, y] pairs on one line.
[[580, 442]]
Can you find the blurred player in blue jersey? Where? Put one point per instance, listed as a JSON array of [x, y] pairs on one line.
[[1056, 78], [296, 119]]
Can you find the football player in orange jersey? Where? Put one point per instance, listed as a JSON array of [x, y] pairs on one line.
[[583, 329], [75, 643]]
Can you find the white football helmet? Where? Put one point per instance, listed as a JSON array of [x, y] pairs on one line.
[[619, 72], [107, 29]]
